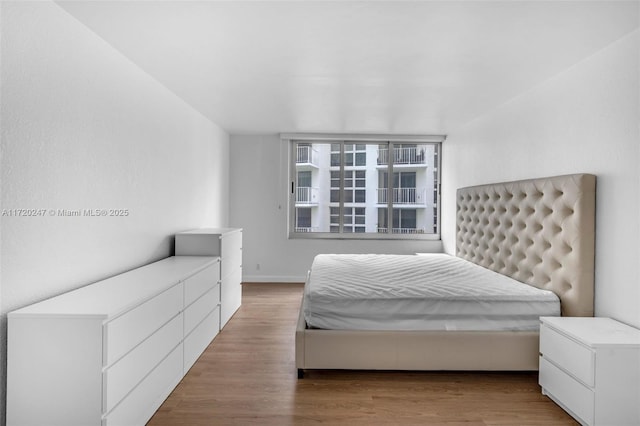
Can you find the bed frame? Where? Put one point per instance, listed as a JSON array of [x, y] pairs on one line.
[[538, 231]]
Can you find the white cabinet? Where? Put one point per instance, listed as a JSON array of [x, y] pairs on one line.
[[109, 353], [223, 242], [591, 368]]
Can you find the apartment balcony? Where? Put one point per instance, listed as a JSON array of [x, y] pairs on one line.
[[306, 196], [402, 230], [414, 196], [306, 156], [413, 156]]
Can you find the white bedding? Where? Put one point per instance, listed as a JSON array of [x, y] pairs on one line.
[[425, 292]]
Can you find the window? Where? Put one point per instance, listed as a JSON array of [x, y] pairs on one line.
[[356, 186], [353, 220], [303, 219], [404, 222]]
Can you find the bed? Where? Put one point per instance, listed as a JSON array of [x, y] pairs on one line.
[[536, 234]]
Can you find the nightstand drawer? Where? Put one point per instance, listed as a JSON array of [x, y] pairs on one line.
[[566, 391], [567, 354]]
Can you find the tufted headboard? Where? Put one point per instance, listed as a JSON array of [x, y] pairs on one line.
[[538, 231]]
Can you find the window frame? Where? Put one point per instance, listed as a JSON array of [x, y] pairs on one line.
[[290, 141]]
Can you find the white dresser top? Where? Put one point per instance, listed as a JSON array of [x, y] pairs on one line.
[[212, 231], [595, 331], [113, 296]]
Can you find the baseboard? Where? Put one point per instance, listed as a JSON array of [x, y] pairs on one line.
[[272, 279]]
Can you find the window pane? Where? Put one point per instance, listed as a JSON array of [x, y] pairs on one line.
[[413, 198], [304, 179], [382, 220], [408, 180], [348, 159], [304, 217], [382, 179], [348, 196], [408, 219]]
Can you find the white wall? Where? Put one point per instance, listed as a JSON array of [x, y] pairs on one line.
[[84, 128], [258, 199], [585, 119]]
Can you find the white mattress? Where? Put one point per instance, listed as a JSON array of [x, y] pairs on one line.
[[422, 292]]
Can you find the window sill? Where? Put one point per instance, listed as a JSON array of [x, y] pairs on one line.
[[361, 236]]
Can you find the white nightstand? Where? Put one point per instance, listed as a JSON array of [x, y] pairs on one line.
[[591, 368]]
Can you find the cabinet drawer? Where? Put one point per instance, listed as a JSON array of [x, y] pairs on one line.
[[568, 354], [138, 407], [125, 332], [200, 283], [566, 391], [196, 342], [125, 374], [200, 309]]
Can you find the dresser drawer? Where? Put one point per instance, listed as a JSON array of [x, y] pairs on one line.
[[567, 354], [201, 308], [125, 374], [196, 342], [138, 407], [200, 283], [126, 331], [566, 391]]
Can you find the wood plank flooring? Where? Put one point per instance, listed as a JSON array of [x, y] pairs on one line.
[[247, 376]]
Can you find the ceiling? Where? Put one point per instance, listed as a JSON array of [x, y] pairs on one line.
[[421, 67]]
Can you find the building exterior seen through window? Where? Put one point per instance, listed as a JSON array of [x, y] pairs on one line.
[[379, 189]]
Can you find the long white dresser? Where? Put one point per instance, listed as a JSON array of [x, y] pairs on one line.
[[110, 353], [226, 243]]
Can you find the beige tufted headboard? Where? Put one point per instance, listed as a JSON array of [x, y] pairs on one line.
[[538, 231]]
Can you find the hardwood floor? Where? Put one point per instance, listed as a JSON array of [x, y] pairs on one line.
[[247, 376]]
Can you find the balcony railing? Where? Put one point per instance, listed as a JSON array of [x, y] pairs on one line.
[[403, 196], [306, 155], [306, 229], [306, 195], [411, 155], [402, 230]]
